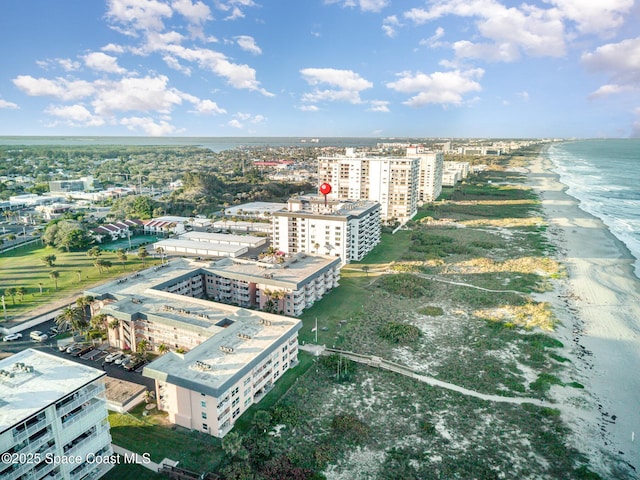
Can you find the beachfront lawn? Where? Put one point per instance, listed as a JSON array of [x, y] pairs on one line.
[[24, 268], [153, 435]]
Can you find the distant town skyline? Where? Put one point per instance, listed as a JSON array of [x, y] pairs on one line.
[[321, 68]]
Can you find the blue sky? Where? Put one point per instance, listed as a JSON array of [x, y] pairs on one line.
[[392, 68]]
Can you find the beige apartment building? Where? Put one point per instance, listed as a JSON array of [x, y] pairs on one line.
[[208, 388], [390, 181]]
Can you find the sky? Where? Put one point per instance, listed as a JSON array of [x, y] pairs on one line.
[[320, 68]]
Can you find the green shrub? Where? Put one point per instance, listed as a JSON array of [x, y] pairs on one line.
[[399, 332], [431, 311], [407, 285], [350, 427]]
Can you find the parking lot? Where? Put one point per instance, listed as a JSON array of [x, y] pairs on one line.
[[94, 357]]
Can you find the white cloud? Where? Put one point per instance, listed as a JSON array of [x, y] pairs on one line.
[[173, 62], [348, 85], [241, 119], [8, 105], [113, 48], [365, 5], [511, 31], [599, 17], [378, 106], [309, 108], [236, 7], [75, 115], [59, 88], [208, 107], [621, 61], [389, 26], [148, 126], [523, 95], [196, 13], [444, 88], [248, 44], [103, 63], [136, 94], [433, 40], [142, 15]]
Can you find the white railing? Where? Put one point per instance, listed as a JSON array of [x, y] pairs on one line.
[[84, 395]]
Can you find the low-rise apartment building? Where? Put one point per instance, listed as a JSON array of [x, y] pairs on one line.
[[208, 388], [52, 408], [311, 224], [285, 284]]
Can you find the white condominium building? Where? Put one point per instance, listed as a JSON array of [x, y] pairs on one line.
[[53, 419], [345, 229], [430, 176], [462, 167], [390, 181]]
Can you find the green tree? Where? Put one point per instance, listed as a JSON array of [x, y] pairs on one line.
[[163, 348], [49, 260], [11, 292], [122, 257], [20, 291], [142, 255], [54, 275], [94, 252], [232, 445], [72, 317], [262, 420]]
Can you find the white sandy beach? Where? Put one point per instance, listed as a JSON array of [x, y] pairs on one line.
[[599, 307]]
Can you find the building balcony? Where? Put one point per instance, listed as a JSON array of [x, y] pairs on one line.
[[19, 435], [78, 398]]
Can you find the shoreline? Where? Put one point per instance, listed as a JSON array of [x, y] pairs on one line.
[[598, 306]]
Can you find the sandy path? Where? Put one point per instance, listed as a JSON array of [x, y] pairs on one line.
[[599, 307]]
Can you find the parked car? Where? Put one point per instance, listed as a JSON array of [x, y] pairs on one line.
[[73, 350], [38, 336], [63, 348], [11, 337], [112, 357], [83, 349], [119, 361], [135, 364]]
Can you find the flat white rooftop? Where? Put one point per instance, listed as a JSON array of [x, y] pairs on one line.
[[224, 239], [255, 208], [174, 245], [33, 380], [293, 273], [216, 364]]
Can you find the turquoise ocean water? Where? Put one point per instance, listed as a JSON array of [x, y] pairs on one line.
[[604, 175]]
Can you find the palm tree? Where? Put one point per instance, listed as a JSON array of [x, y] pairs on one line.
[[54, 275], [142, 255], [278, 295], [79, 273], [49, 260], [365, 269], [83, 303], [99, 264], [162, 348], [98, 322], [160, 251], [122, 256], [72, 317], [94, 252], [11, 292], [21, 291], [40, 286]]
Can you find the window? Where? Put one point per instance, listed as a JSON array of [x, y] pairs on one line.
[[235, 391], [204, 415], [205, 426], [235, 402], [247, 392], [236, 412], [247, 401], [247, 380], [203, 404]]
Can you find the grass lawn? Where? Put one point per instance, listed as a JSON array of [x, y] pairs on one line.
[[132, 472], [24, 268], [194, 450]]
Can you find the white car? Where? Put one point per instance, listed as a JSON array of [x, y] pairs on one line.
[[11, 337], [122, 360], [112, 357], [38, 336]]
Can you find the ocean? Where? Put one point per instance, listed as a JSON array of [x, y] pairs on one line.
[[604, 176]]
